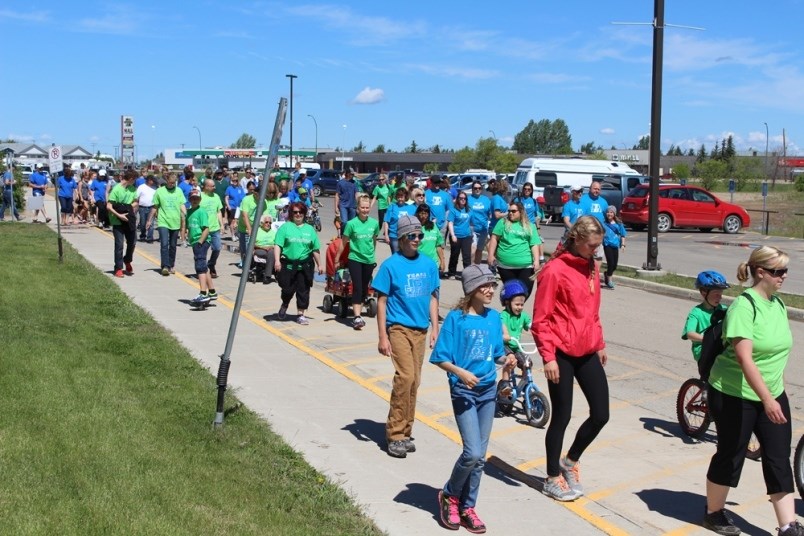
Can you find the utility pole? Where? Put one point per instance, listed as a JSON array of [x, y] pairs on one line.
[[291, 76]]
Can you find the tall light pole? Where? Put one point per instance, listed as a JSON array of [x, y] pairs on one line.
[[766, 151], [343, 148], [153, 140], [316, 135], [199, 137], [291, 76], [493, 135]]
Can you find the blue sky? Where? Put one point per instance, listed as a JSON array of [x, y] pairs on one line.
[[438, 72]]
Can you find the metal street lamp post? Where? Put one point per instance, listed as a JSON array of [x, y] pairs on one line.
[[199, 137], [316, 135], [291, 76], [766, 151], [493, 135]]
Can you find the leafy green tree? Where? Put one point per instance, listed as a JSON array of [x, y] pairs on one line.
[[504, 162], [412, 148], [714, 154], [590, 148], [544, 137], [435, 149], [19, 189], [598, 155], [643, 144], [379, 149], [245, 141], [462, 160], [711, 171], [701, 156], [691, 152], [729, 151], [681, 171], [748, 172], [430, 168], [359, 148]]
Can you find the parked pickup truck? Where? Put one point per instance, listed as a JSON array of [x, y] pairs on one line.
[[612, 189]]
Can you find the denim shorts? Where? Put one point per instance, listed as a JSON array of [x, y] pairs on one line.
[[200, 257]]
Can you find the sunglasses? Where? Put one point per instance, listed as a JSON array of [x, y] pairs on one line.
[[297, 212], [415, 236], [488, 286], [476, 188], [513, 210], [778, 272]]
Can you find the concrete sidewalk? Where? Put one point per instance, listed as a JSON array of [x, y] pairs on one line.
[[326, 410]]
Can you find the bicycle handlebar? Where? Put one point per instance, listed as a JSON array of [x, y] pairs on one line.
[[521, 346]]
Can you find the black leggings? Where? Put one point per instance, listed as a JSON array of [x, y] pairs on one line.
[[361, 276], [735, 419], [462, 246], [612, 258], [523, 274], [592, 381]]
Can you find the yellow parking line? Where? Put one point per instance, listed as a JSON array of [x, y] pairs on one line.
[[626, 375], [375, 379], [597, 445], [374, 359], [668, 471], [442, 415], [434, 389], [350, 347], [737, 508], [497, 433], [656, 396], [637, 365]]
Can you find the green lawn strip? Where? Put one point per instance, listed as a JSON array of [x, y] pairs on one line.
[[106, 427]]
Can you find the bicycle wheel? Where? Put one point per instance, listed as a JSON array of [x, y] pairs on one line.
[[798, 466], [754, 451], [539, 412], [505, 404], [691, 408]]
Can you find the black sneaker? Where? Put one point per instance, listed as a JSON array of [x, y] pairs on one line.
[[397, 449], [721, 523], [448, 508], [795, 529]]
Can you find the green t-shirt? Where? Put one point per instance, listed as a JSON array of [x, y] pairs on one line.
[[197, 221], [220, 189], [698, 320], [515, 325], [119, 194], [772, 341], [248, 207], [212, 205], [382, 193], [297, 241], [361, 236], [270, 207], [169, 205], [430, 243], [265, 238], [514, 244]]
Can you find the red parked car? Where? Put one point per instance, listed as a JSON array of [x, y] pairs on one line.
[[683, 206]]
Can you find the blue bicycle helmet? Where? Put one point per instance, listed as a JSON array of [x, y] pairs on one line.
[[512, 289], [710, 279]]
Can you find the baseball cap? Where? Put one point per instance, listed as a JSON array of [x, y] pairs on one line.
[[576, 189], [101, 172], [302, 191], [195, 192], [302, 171]]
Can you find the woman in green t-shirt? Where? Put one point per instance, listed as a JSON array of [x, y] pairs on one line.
[[295, 253], [746, 394], [360, 234], [382, 196], [514, 245], [264, 249], [432, 244]]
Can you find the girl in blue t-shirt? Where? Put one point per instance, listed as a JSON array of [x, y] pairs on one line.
[[468, 345], [459, 227], [613, 241]]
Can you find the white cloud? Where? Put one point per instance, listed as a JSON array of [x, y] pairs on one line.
[[457, 72], [369, 96], [360, 29], [556, 78], [33, 16], [607, 131]]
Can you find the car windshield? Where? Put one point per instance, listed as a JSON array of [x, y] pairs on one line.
[[639, 192]]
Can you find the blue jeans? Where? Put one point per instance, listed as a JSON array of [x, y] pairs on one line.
[[243, 240], [8, 201], [123, 234], [148, 233], [474, 414], [167, 246], [215, 241], [347, 213]]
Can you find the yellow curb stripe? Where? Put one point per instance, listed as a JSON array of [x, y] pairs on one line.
[[376, 359]]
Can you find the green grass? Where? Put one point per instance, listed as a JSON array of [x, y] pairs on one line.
[[682, 281], [106, 425]]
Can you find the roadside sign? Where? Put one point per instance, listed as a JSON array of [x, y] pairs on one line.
[[55, 160], [732, 185], [765, 189]]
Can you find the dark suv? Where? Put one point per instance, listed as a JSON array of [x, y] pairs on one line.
[[324, 180]]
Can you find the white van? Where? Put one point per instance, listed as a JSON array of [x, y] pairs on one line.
[[568, 172]]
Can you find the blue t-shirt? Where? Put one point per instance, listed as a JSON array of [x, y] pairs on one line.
[[38, 179], [98, 189], [408, 284], [497, 203], [236, 195], [440, 202], [614, 233], [67, 186], [573, 210], [531, 207], [140, 181], [8, 177], [392, 216], [472, 342], [186, 188], [480, 207], [594, 207], [460, 222], [346, 193]]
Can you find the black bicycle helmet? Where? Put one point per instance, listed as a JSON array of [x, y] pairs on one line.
[[710, 279], [512, 289]]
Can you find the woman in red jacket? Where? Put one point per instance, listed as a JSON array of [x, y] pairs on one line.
[[566, 328]]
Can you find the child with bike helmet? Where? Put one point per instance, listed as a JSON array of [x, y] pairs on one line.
[[710, 284], [514, 321]]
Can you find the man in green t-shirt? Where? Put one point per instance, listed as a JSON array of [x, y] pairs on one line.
[[169, 210], [197, 224], [122, 208], [212, 205]]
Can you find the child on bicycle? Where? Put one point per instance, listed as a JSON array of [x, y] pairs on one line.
[[710, 284], [468, 344], [514, 321]]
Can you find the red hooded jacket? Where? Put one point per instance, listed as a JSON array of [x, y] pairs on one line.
[[566, 310]]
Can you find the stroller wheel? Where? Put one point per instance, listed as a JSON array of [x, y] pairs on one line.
[[327, 305], [371, 308]]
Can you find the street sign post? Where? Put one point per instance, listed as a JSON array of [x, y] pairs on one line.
[[56, 164]]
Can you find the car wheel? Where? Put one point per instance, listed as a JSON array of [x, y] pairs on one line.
[[664, 222], [732, 224], [317, 190], [704, 229]]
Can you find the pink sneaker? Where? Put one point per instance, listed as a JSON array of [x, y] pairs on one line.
[[471, 522], [448, 506]]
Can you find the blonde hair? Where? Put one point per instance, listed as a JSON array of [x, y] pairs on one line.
[[583, 228], [415, 191], [523, 218], [363, 197], [762, 257]]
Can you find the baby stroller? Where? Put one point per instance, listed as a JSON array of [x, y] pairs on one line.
[[339, 285], [312, 217]]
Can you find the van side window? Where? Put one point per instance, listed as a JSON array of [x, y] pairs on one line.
[[540, 180]]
